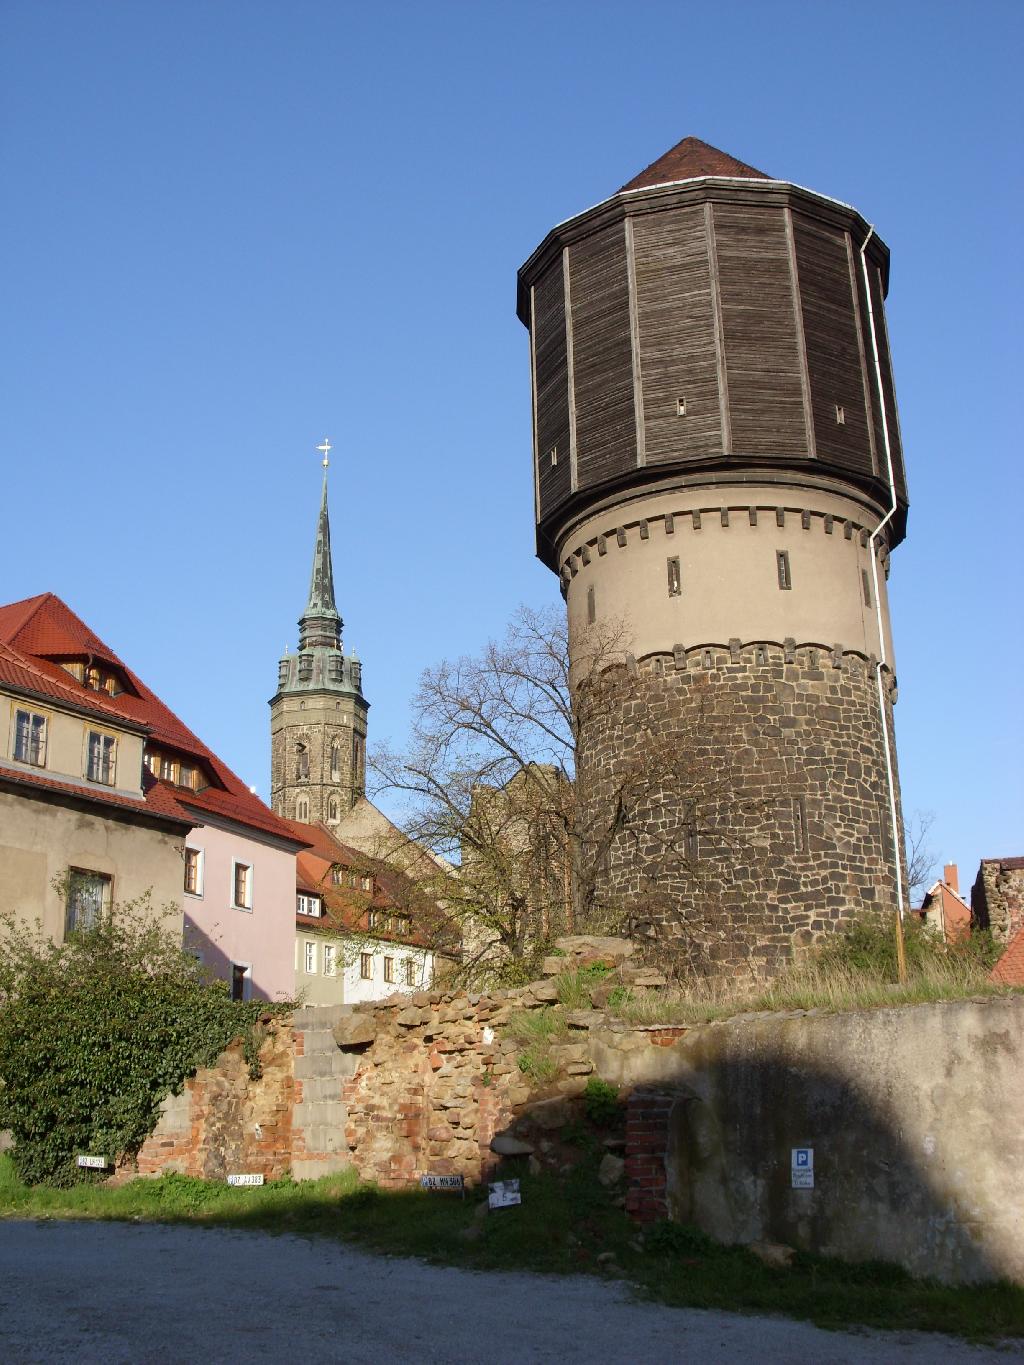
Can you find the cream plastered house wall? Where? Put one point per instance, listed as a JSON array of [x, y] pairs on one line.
[[346, 985], [42, 835], [260, 937]]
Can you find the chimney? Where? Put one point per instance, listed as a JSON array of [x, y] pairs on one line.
[[951, 877]]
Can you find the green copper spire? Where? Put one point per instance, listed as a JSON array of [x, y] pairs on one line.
[[320, 624]]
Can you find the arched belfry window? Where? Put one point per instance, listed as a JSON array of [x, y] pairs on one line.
[[301, 762], [302, 809], [335, 762], [332, 809]]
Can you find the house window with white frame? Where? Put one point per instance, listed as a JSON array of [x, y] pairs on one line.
[[309, 905], [310, 957], [101, 758], [193, 871], [241, 885], [330, 959], [30, 738]]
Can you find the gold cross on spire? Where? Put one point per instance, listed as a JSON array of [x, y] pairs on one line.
[[326, 448]]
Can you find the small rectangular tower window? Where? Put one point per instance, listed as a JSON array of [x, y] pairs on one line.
[[840, 415], [553, 456], [591, 607], [680, 407], [782, 564], [675, 577]]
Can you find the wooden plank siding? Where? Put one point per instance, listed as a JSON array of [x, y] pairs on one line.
[[552, 389], [759, 324], [833, 353], [888, 385], [676, 327], [602, 357]]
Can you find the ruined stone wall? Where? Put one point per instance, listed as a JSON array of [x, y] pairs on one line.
[[997, 897], [753, 798]]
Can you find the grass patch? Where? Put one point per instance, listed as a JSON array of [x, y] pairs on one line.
[[855, 970], [563, 1225], [574, 987]]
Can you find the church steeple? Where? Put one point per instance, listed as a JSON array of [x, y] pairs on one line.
[[318, 713], [320, 624]]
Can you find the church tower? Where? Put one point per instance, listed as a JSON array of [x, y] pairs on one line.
[[318, 714], [719, 479]]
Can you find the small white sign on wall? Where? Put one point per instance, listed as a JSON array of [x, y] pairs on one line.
[[802, 1168], [245, 1180], [503, 1194], [93, 1163]]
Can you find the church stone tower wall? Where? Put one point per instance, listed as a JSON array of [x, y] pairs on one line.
[[318, 713], [712, 466]]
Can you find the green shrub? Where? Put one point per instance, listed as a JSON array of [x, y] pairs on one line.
[[574, 987], [868, 946], [96, 1031], [601, 1102]]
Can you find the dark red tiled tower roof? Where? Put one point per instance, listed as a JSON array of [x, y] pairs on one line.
[[688, 160]]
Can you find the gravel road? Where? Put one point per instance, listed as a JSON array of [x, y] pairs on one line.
[[123, 1292]]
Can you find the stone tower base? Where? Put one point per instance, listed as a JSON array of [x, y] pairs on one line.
[[737, 806]]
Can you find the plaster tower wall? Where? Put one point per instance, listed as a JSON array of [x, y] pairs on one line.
[[710, 464]]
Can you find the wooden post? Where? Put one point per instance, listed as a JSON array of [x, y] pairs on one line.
[[901, 950]]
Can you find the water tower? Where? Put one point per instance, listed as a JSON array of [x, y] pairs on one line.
[[718, 474]]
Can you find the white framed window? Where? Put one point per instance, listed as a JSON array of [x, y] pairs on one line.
[[309, 905], [88, 898], [241, 885], [310, 961], [30, 738], [101, 757], [193, 871], [241, 981], [330, 960]]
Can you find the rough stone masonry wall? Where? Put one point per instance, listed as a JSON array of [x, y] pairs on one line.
[[773, 757], [915, 1114], [997, 897]]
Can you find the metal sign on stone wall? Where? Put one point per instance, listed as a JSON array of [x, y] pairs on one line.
[[245, 1179], [443, 1182], [802, 1168]]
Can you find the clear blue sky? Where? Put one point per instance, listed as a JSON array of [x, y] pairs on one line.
[[230, 228]]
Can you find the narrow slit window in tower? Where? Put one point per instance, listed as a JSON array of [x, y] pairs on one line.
[[553, 456], [591, 606], [680, 407], [866, 585], [675, 577], [799, 824], [782, 564], [840, 415]]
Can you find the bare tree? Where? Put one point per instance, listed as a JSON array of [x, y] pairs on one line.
[[921, 859], [521, 837]]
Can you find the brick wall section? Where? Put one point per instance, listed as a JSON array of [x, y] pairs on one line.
[[224, 1122], [647, 1130], [784, 762]]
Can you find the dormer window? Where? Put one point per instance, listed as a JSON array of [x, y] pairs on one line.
[[309, 905]]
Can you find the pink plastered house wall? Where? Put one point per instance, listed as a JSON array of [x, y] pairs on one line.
[[234, 867]]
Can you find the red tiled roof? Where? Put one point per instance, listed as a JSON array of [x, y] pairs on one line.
[[43, 627], [692, 159], [1009, 970], [158, 804], [346, 908], [22, 673]]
